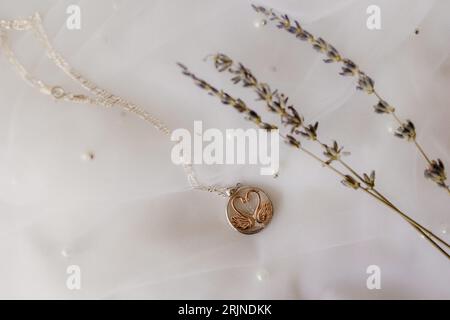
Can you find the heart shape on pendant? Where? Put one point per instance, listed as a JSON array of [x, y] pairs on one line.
[[246, 200]]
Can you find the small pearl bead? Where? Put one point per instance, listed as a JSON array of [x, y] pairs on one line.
[[260, 23], [88, 156], [262, 275], [65, 253]]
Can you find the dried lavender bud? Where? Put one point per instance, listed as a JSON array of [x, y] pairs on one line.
[[225, 98], [243, 74], [265, 93], [280, 103], [213, 91], [320, 45], [332, 54], [383, 107], [406, 131], [295, 114], [310, 131], [365, 83], [349, 68], [436, 173], [333, 152], [253, 116], [285, 23], [303, 34], [184, 69], [293, 142], [222, 62], [370, 179], [239, 105], [293, 119], [261, 9], [299, 32], [351, 182]]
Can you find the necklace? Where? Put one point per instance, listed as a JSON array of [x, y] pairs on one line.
[[249, 209]]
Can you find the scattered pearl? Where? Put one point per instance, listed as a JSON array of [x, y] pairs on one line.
[[390, 130], [262, 275], [65, 253], [88, 156], [260, 23]]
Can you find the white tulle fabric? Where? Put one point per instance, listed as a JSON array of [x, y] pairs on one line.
[[127, 217]]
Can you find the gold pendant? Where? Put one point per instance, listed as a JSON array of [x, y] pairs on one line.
[[249, 210]]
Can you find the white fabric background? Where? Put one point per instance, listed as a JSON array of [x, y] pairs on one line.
[[127, 217]]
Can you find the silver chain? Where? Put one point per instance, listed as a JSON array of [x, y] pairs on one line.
[[100, 97]]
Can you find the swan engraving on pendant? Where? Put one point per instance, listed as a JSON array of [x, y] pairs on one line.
[[249, 210]]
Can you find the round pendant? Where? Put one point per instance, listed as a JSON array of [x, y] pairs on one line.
[[249, 210]]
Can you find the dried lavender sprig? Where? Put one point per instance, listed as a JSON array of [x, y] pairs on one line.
[[347, 179], [226, 99], [436, 170], [242, 74]]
